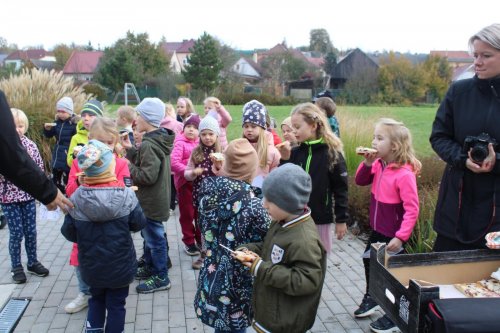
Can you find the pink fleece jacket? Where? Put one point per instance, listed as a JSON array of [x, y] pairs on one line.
[[179, 158], [172, 124], [394, 205]]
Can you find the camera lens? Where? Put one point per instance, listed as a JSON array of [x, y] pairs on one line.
[[479, 153]]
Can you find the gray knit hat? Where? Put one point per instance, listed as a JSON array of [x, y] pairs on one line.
[[65, 104], [94, 107], [152, 110], [288, 187], [254, 112], [209, 123]]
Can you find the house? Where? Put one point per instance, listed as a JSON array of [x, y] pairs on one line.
[[82, 65], [248, 69], [19, 58], [178, 53], [349, 66], [455, 58]]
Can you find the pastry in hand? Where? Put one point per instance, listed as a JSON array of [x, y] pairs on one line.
[[365, 150], [218, 156]]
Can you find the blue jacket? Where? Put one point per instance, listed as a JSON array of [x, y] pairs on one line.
[[101, 223], [63, 131]]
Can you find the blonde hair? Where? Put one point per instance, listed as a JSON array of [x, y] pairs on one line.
[[103, 125], [189, 106], [490, 35], [170, 110], [313, 115], [127, 112], [19, 115], [212, 100], [328, 105], [197, 155], [400, 136], [261, 146]]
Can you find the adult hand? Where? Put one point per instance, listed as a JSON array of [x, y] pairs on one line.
[[340, 230], [60, 201], [486, 166], [285, 150]]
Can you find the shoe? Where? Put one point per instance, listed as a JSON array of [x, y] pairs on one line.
[[78, 304], [198, 263], [192, 250], [143, 273], [38, 269], [384, 325], [154, 283], [367, 307], [141, 261], [18, 275]]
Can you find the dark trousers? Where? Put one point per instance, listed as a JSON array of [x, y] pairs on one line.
[[173, 193], [60, 178], [444, 244], [374, 238], [112, 301]]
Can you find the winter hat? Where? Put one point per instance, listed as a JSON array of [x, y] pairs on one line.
[[287, 121], [255, 112], [288, 187], [94, 107], [65, 104], [241, 160], [152, 110], [95, 158], [209, 123], [194, 120]]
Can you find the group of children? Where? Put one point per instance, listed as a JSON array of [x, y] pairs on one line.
[[276, 203]]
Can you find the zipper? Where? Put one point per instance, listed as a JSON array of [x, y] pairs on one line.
[[309, 156], [376, 199]]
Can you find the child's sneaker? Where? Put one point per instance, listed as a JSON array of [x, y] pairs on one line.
[[367, 307], [143, 273], [18, 275], [78, 304], [192, 250], [38, 269], [154, 283], [384, 325]]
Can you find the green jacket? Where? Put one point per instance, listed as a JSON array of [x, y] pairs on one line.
[[150, 172], [80, 138], [288, 277]]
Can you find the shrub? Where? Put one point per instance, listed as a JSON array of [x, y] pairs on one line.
[[36, 93], [96, 90]]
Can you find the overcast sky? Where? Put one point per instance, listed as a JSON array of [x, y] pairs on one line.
[[398, 25]]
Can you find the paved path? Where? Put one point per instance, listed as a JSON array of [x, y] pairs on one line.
[[166, 311]]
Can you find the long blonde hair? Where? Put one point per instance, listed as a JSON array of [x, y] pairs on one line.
[[400, 136], [313, 115], [103, 125], [261, 146]]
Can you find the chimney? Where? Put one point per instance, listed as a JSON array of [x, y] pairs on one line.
[[255, 57]]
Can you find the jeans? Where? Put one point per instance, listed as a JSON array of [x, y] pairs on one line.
[[82, 286], [155, 248], [112, 301]]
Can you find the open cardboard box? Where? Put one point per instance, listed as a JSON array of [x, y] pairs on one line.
[[404, 284]]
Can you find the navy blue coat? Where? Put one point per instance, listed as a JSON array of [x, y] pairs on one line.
[[101, 223], [63, 131]]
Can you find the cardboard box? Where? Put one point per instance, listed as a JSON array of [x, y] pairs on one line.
[[404, 284]]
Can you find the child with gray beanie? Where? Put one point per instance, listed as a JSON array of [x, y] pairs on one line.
[[289, 265]]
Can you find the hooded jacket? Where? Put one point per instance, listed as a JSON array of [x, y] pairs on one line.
[[150, 171], [230, 214], [466, 200], [183, 147], [63, 131], [101, 223], [81, 138]]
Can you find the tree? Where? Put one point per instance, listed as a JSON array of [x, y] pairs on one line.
[[62, 52], [438, 76], [320, 41], [131, 59], [282, 67], [204, 64], [330, 62], [6, 47]]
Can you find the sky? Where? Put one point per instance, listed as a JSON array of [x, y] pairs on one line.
[[383, 25]]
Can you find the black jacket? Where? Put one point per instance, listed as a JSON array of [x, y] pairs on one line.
[[101, 223], [328, 186], [63, 131], [471, 107], [15, 163]]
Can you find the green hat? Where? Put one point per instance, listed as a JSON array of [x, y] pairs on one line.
[[93, 107]]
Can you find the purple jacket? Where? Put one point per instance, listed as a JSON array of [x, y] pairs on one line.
[[9, 192], [394, 204]]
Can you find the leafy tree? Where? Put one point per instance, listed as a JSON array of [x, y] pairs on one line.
[[131, 59], [62, 52], [204, 64], [330, 62], [438, 76], [319, 40], [282, 67]]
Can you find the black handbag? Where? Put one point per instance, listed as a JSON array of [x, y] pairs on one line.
[[461, 315]]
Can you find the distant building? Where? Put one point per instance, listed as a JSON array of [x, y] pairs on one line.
[[349, 66], [82, 65], [178, 53], [460, 62], [19, 58]]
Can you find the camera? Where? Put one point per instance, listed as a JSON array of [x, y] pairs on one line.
[[478, 146]]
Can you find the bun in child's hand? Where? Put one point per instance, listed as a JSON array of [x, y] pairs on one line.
[[218, 156], [364, 150], [243, 257]]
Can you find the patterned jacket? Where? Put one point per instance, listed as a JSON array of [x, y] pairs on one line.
[[9, 192], [230, 214]]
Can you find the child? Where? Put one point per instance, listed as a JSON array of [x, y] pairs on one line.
[[320, 155], [105, 212], [230, 214], [125, 116], [185, 108], [90, 111], [254, 130], [150, 170], [137, 135], [200, 164], [289, 265], [64, 129], [327, 105], [288, 132], [271, 125], [214, 108], [103, 130], [394, 209], [20, 211], [184, 144]]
